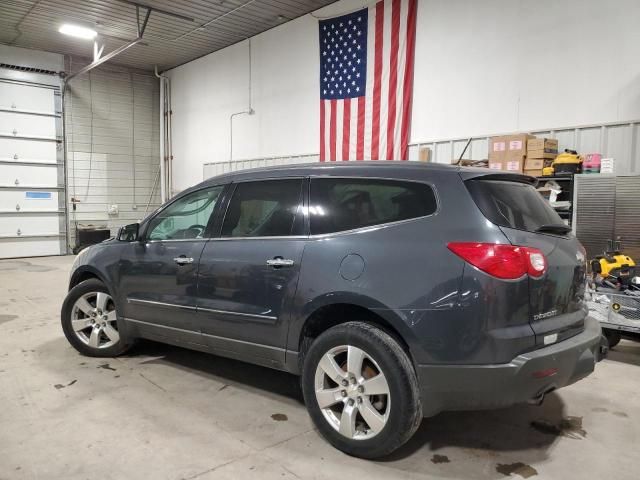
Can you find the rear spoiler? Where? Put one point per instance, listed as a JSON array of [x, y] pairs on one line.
[[487, 174]]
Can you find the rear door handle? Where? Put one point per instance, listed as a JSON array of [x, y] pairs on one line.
[[183, 260], [280, 262]]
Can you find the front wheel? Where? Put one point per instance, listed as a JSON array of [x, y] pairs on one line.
[[90, 321], [361, 390]]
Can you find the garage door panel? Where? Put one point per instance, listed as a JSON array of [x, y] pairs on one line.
[[31, 175], [28, 201], [28, 151], [32, 214], [31, 247], [25, 125], [27, 97], [39, 224]]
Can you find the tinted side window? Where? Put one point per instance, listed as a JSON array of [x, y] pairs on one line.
[[185, 218], [339, 204], [512, 204], [263, 209]]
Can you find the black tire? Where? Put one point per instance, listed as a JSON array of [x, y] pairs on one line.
[[405, 410], [612, 337], [86, 287]]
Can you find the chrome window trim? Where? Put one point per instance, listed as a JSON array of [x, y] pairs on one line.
[[172, 240], [284, 237], [370, 228]]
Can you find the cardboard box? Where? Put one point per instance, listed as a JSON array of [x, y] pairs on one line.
[[607, 165], [424, 154], [508, 162], [546, 145], [497, 145], [509, 143], [533, 163], [541, 154], [508, 152], [534, 173], [518, 143], [514, 163]]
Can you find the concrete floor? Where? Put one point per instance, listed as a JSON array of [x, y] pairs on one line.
[[167, 413]]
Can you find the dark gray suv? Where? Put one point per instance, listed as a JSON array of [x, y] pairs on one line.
[[395, 289]]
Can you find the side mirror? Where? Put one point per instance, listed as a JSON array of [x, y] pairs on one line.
[[128, 233]]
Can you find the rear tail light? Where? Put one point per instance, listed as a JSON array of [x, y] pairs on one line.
[[502, 261]]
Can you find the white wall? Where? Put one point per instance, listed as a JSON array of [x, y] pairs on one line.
[[482, 67], [25, 57]]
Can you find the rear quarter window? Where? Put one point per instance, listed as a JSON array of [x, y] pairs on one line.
[[341, 204], [512, 204]]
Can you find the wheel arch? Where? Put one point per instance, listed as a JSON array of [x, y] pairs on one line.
[[83, 273], [336, 309]]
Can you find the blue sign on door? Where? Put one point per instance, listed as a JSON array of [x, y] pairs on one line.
[[38, 195]]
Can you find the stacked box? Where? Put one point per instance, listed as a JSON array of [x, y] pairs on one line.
[[607, 165], [541, 152], [508, 152]]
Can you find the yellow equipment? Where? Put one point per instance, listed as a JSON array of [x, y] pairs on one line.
[[567, 163], [613, 263], [547, 171]]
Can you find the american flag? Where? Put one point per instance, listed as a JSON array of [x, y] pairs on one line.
[[366, 82]]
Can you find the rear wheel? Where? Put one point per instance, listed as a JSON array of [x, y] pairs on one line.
[[361, 390], [90, 321], [612, 337]]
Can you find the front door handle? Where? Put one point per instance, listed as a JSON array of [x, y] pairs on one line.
[[183, 260], [278, 262]]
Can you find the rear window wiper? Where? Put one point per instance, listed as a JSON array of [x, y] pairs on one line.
[[559, 228]]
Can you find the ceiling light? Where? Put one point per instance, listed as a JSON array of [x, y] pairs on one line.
[[77, 31]]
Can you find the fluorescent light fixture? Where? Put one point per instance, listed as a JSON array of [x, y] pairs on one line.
[[78, 31]]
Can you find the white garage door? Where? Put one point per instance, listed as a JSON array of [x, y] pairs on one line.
[[32, 215]]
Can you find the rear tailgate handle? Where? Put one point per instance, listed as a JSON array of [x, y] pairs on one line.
[[278, 262], [182, 260]]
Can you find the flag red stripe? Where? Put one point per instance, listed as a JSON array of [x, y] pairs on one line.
[[377, 81], [322, 142], [360, 140], [332, 132], [408, 78], [393, 77], [346, 129]]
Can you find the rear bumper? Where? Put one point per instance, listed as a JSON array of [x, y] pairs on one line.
[[526, 377]]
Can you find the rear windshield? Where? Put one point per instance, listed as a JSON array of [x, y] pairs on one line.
[[512, 204]]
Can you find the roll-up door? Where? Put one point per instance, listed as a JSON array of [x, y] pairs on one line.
[[32, 213]]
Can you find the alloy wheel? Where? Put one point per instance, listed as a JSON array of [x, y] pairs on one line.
[[352, 392], [93, 319]]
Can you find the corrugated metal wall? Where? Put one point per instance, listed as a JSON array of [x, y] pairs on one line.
[[113, 142], [594, 215], [617, 140], [607, 207]]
